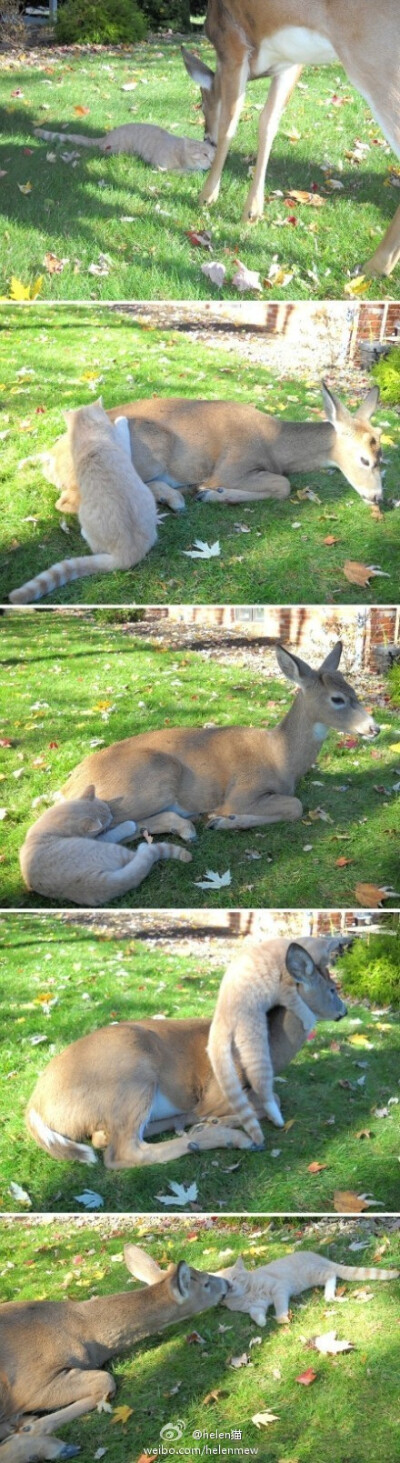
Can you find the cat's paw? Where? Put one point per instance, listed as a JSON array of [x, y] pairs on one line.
[[274, 1114]]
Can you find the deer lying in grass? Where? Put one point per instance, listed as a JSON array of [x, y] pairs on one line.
[[121, 1084], [233, 453], [241, 777], [52, 1352], [276, 38]]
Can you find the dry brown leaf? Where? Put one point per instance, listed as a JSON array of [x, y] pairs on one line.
[[306, 1378], [345, 1201], [371, 895], [52, 264], [314, 200], [364, 1133], [81, 111], [340, 863], [316, 1167], [330, 539], [360, 573], [214, 1395]]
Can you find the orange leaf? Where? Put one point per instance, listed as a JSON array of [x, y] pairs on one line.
[[360, 573], [340, 863], [364, 1133], [306, 1378], [147, 1458], [330, 539], [345, 1201], [370, 895], [316, 1167], [82, 111]]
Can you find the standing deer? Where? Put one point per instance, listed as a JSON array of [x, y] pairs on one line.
[[277, 38], [231, 452], [124, 1083], [242, 777], [52, 1352]]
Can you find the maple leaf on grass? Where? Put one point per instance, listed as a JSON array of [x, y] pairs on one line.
[[246, 279], [328, 1344], [371, 896], [20, 1195], [215, 272], [362, 573], [306, 1378], [202, 550], [121, 1413], [213, 881], [345, 1201], [179, 1195], [263, 1419], [89, 1199]]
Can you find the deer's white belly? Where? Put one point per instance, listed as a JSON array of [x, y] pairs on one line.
[[161, 1107], [292, 45]]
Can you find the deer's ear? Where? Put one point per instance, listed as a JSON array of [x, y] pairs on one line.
[[367, 407], [180, 1281], [141, 1265], [293, 667], [89, 791], [332, 660], [197, 69], [336, 413], [300, 964]]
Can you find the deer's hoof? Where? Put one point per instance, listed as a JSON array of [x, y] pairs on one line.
[[193, 1148], [69, 1451], [257, 1147]]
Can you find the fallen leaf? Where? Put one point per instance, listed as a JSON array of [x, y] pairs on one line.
[[20, 291], [246, 279], [25, 187], [54, 265], [179, 1195], [328, 1344], [215, 272], [357, 286], [20, 1195], [361, 573], [316, 1167], [194, 1339], [300, 195], [214, 1395], [306, 1378], [199, 240], [371, 896], [89, 1199], [341, 863], [364, 1133], [213, 881], [359, 1040], [123, 1412], [81, 111], [263, 1419], [345, 1201], [238, 1361], [203, 550]]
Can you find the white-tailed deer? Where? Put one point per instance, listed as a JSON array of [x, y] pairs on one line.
[[241, 777], [52, 1352], [276, 38], [233, 453], [122, 1084]]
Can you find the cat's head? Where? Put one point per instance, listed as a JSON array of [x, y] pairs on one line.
[[82, 419], [83, 817]]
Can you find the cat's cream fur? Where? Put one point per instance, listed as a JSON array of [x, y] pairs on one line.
[[253, 1291], [141, 139], [256, 980], [73, 853], [117, 511]]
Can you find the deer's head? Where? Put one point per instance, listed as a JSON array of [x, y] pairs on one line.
[[356, 445], [329, 699], [317, 988], [193, 1290]]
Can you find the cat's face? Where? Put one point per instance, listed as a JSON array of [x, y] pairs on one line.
[[86, 817]]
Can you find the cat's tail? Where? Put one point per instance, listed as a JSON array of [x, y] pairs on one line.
[[361, 1272], [60, 574], [75, 137], [54, 1143], [225, 1072]]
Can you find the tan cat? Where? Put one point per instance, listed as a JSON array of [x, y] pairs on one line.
[[117, 511], [69, 854], [141, 139], [262, 976], [255, 1290]]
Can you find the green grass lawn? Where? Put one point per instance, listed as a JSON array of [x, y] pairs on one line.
[[139, 218], [270, 552], [349, 1413], [94, 980], [70, 683]]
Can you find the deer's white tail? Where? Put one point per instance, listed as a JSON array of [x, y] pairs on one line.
[[60, 574], [75, 137], [359, 1272], [54, 1143]]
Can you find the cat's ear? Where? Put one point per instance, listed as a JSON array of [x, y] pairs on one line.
[[239, 1263], [89, 791], [99, 401], [93, 826]]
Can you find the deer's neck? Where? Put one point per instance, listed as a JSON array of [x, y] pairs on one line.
[[116, 1322], [304, 446], [300, 738]]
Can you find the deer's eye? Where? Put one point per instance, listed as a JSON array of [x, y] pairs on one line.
[[338, 700]]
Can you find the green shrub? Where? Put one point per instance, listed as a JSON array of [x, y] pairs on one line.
[[167, 14], [394, 685], [387, 375], [371, 969], [100, 22]]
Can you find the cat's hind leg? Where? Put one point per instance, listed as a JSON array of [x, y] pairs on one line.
[[281, 1304], [330, 1288]]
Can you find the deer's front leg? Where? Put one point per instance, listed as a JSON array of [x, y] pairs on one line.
[[233, 86], [273, 808], [251, 489], [280, 90], [387, 254]]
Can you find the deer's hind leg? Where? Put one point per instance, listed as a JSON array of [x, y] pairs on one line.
[[127, 1145], [76, 1391]]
